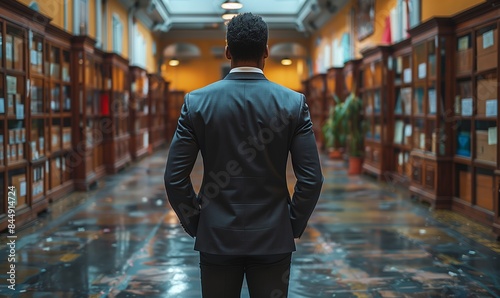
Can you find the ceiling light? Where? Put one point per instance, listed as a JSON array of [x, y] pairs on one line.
[[286, 61], [229, 14], [231, 4], [173, 62]]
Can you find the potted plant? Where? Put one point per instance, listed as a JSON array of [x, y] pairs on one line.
[[334, 130], [356, 130]]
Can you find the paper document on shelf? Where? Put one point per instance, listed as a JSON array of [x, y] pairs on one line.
[[463, 43], [491, 107], [432, 101], [407, 75], [488, 39], [399, 65], [22, 189], [492, 135], [422, 70], [398, 132], [408, 130], [467, 107]]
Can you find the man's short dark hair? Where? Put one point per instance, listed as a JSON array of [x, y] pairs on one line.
[[246, 37]]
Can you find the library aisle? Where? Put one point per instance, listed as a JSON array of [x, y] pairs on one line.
[[365, 239]]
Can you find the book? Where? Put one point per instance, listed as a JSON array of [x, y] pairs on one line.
[[431, 96], [406, 96], [463, 143], [398, 132]]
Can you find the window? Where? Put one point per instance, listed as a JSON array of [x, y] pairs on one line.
[[404, 16], [98, 23], [139, 50], [34, 5], [117, 34], [414, 11], [81, 17]]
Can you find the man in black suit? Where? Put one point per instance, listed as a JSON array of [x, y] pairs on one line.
[[243, 218]]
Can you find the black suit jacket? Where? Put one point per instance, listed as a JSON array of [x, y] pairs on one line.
[[245, 127]]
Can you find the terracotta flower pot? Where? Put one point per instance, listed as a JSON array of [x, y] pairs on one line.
[[355, 165], [335, 153]]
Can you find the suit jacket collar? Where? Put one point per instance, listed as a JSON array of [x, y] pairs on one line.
[[245, 76]]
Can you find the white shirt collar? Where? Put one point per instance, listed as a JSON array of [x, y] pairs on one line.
[[246, 69]]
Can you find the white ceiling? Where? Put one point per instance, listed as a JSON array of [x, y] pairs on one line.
[[202, 7], [300, 15]]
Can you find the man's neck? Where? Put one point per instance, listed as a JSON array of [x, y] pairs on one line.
[[246, 64]]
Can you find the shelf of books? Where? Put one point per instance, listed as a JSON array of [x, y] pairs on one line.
[[116, 140], [174, 105], [335, 89], [335, 84], [317, 102], [352, 78], [401, 113], [139, 112], [22, 176], [376, 96], [475, 122], [431, 99], [58, 123], [90, 104], [351, 72], [158, 92]]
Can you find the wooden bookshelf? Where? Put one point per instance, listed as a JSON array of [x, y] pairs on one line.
[[377, 99], [139, 112], [431, 98], [335, 84], [175, 102], [17, 167], [90, 105], [317, 100], [59, 116], [116, 140], [352, 78], [476, 169], [400, 112], [158, 92], [351, 72]]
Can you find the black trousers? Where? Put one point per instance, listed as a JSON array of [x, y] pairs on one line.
[[267, 276]]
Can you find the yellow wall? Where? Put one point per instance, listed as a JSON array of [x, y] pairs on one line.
[[289, 76], [382, 11], [92, 19], [338, 25], [51, 8], [55, 10], [115, 7], [149, 38], [329, 32], [70, 16], [199, 72], [432, 8]]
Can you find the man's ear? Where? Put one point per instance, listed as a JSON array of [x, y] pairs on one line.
[[228, 54], [266, 52]]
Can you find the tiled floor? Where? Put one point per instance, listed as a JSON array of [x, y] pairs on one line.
[[365, 239]]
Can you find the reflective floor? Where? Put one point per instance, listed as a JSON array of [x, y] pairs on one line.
[[365, 239]]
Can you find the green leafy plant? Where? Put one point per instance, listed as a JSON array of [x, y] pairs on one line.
[[356, 125], [334, 129]]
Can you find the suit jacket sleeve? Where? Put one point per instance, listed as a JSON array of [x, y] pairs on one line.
[[181, 158], [307, 168]]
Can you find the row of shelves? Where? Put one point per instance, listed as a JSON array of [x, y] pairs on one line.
[[430, 104], [69, 112]]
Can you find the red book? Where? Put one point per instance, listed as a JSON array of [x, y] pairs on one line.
[[105, 104]]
